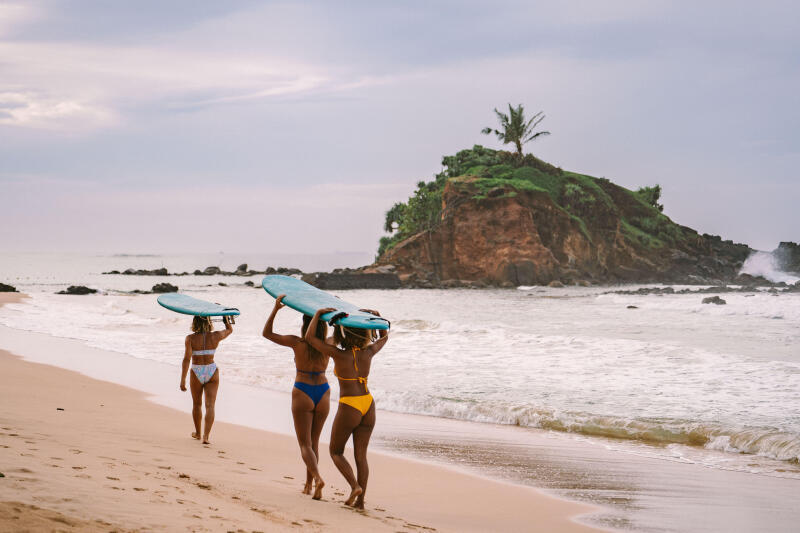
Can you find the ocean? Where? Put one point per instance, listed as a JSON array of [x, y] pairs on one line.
[[658, 376]]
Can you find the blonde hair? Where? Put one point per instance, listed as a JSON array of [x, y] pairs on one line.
[[202, 324], [350, 338]]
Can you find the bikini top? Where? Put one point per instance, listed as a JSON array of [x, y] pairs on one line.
[[311, 372], [204, 351], [360, 379]]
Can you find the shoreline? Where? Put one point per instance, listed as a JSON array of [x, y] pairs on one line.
[[128, 454], [630, 488]]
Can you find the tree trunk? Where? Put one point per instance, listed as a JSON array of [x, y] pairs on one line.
[[519, 147]]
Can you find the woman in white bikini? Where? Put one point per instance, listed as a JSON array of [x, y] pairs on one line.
[[204, 377]]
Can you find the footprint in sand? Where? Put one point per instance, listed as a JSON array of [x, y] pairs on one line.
[[183, 476], [204, 486], [256, 469], [138, 489], [78, 467], [112, 478]]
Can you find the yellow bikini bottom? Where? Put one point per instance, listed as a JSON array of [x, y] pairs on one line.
[[362, 403]]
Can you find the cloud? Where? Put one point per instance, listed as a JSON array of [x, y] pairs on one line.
[[32, 110]]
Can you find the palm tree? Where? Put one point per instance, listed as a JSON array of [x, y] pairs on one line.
[[514, 127]]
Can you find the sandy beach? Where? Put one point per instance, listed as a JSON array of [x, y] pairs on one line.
[[79, 454]]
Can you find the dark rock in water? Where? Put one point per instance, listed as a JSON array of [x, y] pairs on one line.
[[270, 271], [288, 271], [222, 284], [249, 283], [198, 272], [555, 283], [78, 290], [352, 280], [164, 287], [211, 271], [787, 255], [632, 307], [714, 300], [242, 268], [132, 272], [7, 288]]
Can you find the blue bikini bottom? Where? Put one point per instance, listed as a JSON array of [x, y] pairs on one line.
[[315, 392]]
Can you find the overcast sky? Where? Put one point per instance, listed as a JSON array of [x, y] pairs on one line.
[[183, 126]]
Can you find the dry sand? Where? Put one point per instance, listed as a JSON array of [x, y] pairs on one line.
[[79, 454]]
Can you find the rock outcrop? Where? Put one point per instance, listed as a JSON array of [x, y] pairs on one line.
[[77, 290], [164, 287], [787, 255], [7, 288], [352, 280], [554, 226]]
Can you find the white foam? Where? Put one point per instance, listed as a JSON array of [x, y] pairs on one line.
[[766, 265]]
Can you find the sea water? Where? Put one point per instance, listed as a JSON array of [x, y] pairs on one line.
[[664, 375]]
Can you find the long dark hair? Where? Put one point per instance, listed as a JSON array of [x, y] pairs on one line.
[[349, 338], [321, 333]]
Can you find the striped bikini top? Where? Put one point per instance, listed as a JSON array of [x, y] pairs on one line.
[[204, 351]]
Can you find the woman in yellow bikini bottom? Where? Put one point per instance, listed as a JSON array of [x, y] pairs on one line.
[[355, 417]]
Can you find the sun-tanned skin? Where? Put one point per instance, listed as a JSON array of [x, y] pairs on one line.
[[195, 342], [348, 420], [308, 418]]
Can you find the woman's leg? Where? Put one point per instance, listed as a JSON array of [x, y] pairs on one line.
[[347, 419], [320, 415], [361, 436], [210, 390], [197, 401], [303, 415]]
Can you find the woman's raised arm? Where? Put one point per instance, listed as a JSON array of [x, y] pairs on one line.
[[320, 344], [284, 340]]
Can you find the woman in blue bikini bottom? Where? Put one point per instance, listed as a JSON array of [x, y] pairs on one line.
[[310, 394]]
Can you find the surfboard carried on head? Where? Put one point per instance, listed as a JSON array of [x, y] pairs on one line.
[[306, 298], [180, 303]]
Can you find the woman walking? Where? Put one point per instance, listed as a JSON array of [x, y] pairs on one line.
[[352, 358], [310, 394], [204, 377]]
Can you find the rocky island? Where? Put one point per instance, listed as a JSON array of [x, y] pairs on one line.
[[496, 218]]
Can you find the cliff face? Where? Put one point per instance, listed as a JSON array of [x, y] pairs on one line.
[[580, 228]]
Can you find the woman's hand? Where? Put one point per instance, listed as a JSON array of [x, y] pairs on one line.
[[324, 310], [370, 311], [183, 385], [279, 302]]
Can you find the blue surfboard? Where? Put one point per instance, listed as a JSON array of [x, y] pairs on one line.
[[306, 298], [180, 303]]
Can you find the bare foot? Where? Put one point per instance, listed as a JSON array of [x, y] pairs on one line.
[[355, 493], [318, 490], [195, 435], [205, 439], [307, 488], [359, 504]]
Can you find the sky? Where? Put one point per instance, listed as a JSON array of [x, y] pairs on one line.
[[194, 125]]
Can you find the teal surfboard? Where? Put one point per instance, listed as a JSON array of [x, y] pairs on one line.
[[180, 303], [306, 298]]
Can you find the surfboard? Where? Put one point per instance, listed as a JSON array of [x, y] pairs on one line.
[[306, 298], [180, 303]]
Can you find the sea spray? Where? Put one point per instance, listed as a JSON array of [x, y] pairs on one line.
[[766, 265]]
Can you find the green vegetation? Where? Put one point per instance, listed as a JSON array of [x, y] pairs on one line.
[[651, 195], [515, 128], [595, 204]]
